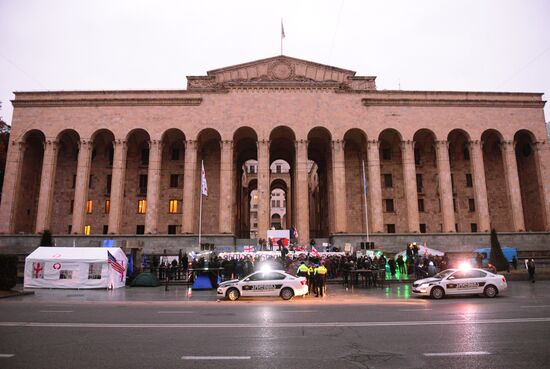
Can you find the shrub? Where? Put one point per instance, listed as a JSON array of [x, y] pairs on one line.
[[46, 238], [8, 271], [497, 256]]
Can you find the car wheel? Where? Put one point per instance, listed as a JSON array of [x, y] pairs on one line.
[[233, 294], [490, 291], [287, 293], [437, 293]]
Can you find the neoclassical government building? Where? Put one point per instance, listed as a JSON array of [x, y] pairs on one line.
[[120, 163]]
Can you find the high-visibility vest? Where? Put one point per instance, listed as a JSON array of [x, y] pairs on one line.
[[303, 269], [321, 270]]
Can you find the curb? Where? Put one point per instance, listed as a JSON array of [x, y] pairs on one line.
[[16, 294]]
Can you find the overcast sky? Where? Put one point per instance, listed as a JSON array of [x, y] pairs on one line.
[[461, 45]]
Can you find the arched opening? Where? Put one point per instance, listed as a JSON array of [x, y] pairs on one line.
[[65, 181], [427, 182], [530, 181], [319, 182], [279, 193], [355, 157], [497, 193], [245, 166], [252, 206], [135, 182], [462, 181], [170, 206], [208, 153], [28, 187], [394, 207]]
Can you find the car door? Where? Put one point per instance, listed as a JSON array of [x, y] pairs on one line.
[[251, 285], [463, 282]]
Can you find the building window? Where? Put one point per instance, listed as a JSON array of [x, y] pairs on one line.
[[453, 183], [144, 156], [278, 168], [466, 154], [417, 156], [422, 228], [74, 181], [390, 228], [142, 206], [421, 205], [389, 205], [172, 229], [173, 206], [388, 181], [143, 184], [105, 229], [473, 227], [469, 182], [140, 229], [454, 204], [90, 181], [175, 153], [108, 186], [69, 229], [419, 186], [89, 207], [386, 154], [174, 180], [72, 207], [107, 206], [255, 225], [471, 205], [456, 227], [111, 156], [87, 230]]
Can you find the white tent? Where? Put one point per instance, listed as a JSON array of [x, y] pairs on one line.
[[422, 251], [75, 267]]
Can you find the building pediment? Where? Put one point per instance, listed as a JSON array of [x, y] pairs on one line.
[[281, 71]]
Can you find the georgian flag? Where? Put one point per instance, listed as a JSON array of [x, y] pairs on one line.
[[249, 249], [315, 252], [204, 185]]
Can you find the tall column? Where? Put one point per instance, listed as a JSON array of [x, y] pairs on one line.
[[542, 160], [11, 188], [445, 186], [189, 185], [409, 179], [117, 185], [227, 195], [264, 193], [512, 184], [153, 186], [47, 182], [480, 187], [374, 192], [302, 192], [82, 183], [339, 186]]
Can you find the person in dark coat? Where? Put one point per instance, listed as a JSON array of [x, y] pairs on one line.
[[531, 270]]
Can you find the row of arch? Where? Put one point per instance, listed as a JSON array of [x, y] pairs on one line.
[[281, 146]]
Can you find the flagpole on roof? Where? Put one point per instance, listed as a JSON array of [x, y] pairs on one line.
[[203, 191], [365, 200], [282, 35]]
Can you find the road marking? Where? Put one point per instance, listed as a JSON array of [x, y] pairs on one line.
[[6, 355], [175, 312], [299, 311], [276, 325], [466, 353], [215, 357], [56, 311], [534, 306]]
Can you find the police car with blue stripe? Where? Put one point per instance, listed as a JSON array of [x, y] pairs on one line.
[[462, 281], [264, 283]]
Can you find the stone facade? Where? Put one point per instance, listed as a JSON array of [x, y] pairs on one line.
[[129, 162]]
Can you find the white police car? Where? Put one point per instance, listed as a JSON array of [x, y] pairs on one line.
[[461, 281], [264, 283]]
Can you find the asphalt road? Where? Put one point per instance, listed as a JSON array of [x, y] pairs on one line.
[[375, 328]]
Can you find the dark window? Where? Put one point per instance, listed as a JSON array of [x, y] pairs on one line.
[[69, 229], [175, 153], [105, 229], [278, 168], [422, 228], [174, 180], [72, 207], [143, 184], [417, 156], [109, 182], [388, 181], [386, 154], [111, 156], [140, 229], [390, 228], [144, 156], [456, 227], [94, 153], [90, 181], [454, 204], [471, 205], [466, 154], [172, 229], [469, 182], [74, 181], [473, 227], [526, 150], [419, 186], [453, 182], [421, 205], [389, 205]]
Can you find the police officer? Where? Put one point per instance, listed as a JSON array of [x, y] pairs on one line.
[[311, 279], [303, 270], [320, 280]]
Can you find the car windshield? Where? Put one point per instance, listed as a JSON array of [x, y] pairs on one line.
[[444, 273]]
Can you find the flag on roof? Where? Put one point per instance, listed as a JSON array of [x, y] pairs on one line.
[[114, 264], [204, 185]]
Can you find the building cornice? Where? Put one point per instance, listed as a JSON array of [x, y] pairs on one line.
[[134, 101]]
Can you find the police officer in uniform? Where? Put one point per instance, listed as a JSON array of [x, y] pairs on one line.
[[320, 280]]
